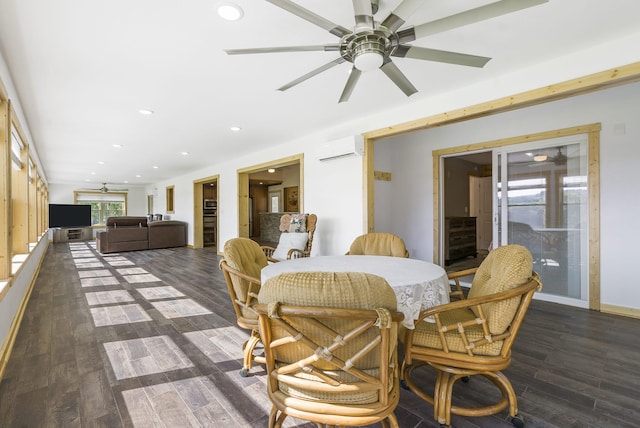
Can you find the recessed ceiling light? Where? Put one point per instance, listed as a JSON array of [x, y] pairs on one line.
[[271, 170], [230, 11], [117, 146], [235, 128], [184, 153], [146, 112], [155, 167], [100, 163], [138, 176], [93, 173]]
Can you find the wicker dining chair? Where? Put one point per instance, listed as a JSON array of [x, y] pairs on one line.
[[378, 244], [331, 348], [242, 263], [296, 237], [473, 335]]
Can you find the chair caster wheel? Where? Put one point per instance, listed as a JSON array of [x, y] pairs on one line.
[[404, 385], [244, 372], [518, 421]]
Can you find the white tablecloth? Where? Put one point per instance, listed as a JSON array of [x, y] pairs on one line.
[[418, 284]]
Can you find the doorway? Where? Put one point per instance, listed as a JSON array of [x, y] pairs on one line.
[[205, 212], [467, 209], [210, 213], [257, 187], [542, 204], [542, 187]]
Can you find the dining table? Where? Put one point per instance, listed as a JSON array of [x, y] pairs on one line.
[[418, 284]]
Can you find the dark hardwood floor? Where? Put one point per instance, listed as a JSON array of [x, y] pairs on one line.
[[148, 339]]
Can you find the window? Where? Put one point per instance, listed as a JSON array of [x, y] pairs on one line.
[[103, 205], [575, 196], [16, 150], [527, 201], [170, 195]]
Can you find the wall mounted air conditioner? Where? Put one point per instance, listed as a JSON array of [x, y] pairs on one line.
[[348, 146]]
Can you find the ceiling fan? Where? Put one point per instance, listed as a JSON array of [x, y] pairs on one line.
[[541, 157], [559, 159], [105, 189], [371, 44]]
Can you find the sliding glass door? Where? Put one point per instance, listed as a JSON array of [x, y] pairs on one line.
[[542, 204]]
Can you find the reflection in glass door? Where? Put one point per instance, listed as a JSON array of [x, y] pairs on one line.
[[545, 209]]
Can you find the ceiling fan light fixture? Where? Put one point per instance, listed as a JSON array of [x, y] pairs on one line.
[[368, 61], [367, 51]]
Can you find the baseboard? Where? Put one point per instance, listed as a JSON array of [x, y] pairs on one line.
[[620, 310]]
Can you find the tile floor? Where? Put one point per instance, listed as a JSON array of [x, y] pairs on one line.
[[74, 365], [169, 402]]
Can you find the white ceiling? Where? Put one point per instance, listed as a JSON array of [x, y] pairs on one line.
[[83, 69]]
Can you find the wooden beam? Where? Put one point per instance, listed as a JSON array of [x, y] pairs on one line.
[[593, 82]]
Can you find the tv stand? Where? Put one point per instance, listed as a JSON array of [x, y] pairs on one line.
[[72, 234]]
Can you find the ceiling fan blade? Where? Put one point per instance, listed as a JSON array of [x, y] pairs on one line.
[[401, 13], [415, 52], [325, 48], [363, 15], [467, 17], [350, 85], [289, 6], [311, 74], [401, 81]]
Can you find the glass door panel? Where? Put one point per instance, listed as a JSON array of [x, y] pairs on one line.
[[544, 208]]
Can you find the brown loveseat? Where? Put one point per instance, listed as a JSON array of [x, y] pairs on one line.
[[130, 233]]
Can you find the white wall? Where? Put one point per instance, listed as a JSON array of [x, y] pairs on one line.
[[410, 193], [332, 190]]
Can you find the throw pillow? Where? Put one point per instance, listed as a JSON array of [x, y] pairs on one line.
[[298, 223], [289, 241]]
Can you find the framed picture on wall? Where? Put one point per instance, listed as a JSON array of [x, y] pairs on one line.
[[291, 199], [275, 204]]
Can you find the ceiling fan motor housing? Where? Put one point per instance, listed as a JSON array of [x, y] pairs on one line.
[[366, 50]]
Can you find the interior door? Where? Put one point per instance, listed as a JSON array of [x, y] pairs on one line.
[[542, 204], [481, 207]]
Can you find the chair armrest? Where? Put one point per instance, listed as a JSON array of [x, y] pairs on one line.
[[459, 325], [534, 282], [268, 251], [252, 291], [295, 253]]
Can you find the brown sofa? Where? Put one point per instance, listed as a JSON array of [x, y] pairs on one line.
[[131, 233], [167, 233]]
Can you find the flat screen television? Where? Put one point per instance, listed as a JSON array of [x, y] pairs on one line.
[[68, 215]]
